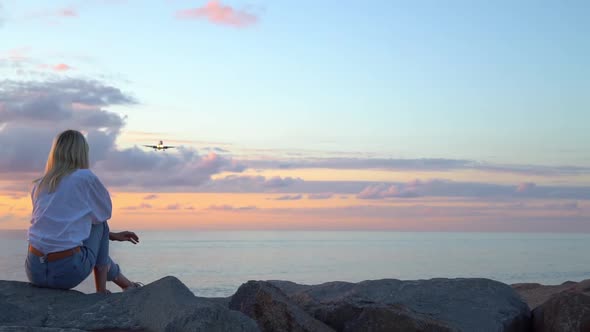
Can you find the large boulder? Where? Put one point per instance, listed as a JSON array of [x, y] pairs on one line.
[[536, 294], [462, 304], [372, 317], [38, 329], [272, 310], [563, 312], [164, 305], [558, 308]]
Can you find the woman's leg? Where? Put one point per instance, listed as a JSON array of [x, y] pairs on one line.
[[104, 267]]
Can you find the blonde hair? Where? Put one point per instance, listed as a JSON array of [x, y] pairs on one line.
[[68, 153]]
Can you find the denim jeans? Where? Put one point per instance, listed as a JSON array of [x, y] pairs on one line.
[[69, 272]]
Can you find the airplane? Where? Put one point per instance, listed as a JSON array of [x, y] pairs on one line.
[[160, 146]]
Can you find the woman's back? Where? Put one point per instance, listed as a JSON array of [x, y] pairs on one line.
[[63, 218]]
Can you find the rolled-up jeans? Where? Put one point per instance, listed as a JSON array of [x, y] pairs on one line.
[[69, 272]]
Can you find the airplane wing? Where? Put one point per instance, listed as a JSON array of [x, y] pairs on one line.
[[151, 146], [168, 147]]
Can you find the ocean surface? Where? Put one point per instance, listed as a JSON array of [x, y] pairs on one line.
[[214, 264]]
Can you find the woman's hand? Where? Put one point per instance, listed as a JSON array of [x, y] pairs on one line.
[[124, 236]]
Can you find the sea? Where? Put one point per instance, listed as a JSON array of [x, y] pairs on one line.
[[216, 263]]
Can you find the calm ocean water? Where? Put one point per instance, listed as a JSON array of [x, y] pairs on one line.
[[216, 263]]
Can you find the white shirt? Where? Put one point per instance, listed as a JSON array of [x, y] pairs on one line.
[[62, 219]]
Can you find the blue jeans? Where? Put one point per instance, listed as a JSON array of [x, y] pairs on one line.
[[69, 272]]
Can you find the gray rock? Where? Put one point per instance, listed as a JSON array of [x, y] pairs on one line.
[[568, 311], [373, 317], [35, 329], [536, 294], [164, 305], [464, 304], [273, 311]]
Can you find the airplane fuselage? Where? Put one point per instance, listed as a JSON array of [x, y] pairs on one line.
[[160, 146]]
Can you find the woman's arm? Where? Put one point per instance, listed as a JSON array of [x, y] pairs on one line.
[[124, 236]]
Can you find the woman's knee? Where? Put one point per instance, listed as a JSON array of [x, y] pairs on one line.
[[114, 272]]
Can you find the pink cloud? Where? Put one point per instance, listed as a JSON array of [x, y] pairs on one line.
[[320, 196], [67, 12], [215, 12], [138, 207], [382, 190], [51, 14], [18, 54], [226, 207], [150, 197], [173, 207], [57, 67], [62, 67], [289, 198]]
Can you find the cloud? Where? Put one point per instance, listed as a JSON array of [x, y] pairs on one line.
[[137, 207], [320, 196], [174, 207], [52, 16], [423, 215], [150, 197], [62, 67], [67, 12], [288, 198], [420, 164], [14, 195], [33, 112], [226, 207], [8, 217], [15, 56], [137, 169], [562, 206], [448, 188], [25, 63], [382, 190], [247, 183], [60, 95], [215, 12], [216, 149], [364, 189]]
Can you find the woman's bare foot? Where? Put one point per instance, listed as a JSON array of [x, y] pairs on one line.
[[125, 283]]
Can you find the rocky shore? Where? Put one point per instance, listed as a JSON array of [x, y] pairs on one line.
[[462, 304]]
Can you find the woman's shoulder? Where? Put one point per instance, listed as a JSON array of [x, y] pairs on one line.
[[84, 174]]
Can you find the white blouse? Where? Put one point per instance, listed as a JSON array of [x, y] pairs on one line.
[[62, 219]]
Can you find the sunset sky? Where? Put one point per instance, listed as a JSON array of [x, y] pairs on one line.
[[319, 115]]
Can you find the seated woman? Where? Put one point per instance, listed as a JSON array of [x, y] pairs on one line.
[[69, 235]]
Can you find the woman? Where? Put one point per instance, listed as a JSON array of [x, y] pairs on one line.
[[69, 235]]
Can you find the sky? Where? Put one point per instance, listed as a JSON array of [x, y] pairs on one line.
[[318, 115]]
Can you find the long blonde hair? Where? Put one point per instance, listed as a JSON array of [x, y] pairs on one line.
[[68, 153]]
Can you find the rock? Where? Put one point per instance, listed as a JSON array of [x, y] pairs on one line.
[[349, 317], [164, 305], [463, 304], [582, 286], [536, 294], [272, 310], [568, 311], [35, 329]]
